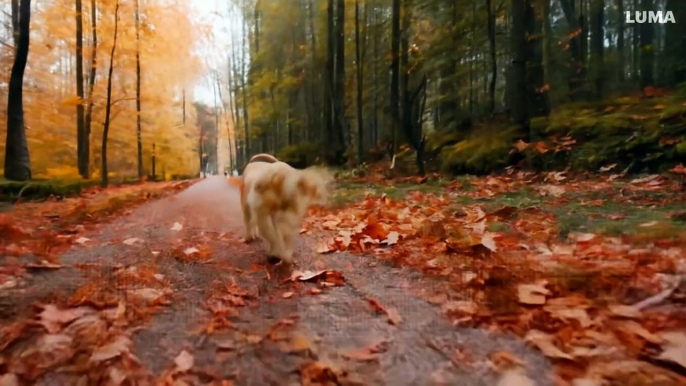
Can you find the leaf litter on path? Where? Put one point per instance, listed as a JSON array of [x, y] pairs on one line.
[[570, 294]]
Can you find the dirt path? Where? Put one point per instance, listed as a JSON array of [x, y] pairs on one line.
[[275, 333]]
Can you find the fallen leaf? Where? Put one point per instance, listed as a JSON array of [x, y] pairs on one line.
[[649, 224], [624, 311], [394, 318], [82, 240], [488, 242], [515, 378], [674, 349], [392, 238], [176, 227], [9, 283], [52, 318], [369, 353], [326, 246], [147, 294], [532, 294], [190, 251], [544, 342], [112, 350], [287, 295], [461, 307], [608, 168], [184, 361], [132, 240], [635, 328], [43, 265], [319, 373]]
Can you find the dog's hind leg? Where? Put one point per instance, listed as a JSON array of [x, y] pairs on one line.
[[269, 234]]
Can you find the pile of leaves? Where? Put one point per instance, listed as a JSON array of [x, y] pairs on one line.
[[602, 308]]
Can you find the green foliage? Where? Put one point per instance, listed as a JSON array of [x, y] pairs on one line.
[[484, 150], [299, 156], [643, 134], [33, 190]]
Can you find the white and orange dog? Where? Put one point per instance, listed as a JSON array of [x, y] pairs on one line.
[[275, 198]]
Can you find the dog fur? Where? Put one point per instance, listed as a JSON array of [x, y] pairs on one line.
[[275, 198]]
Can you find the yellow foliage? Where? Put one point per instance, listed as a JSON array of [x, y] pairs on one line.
[[169, 65]]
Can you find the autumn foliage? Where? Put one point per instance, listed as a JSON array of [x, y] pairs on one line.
[[168, 66]]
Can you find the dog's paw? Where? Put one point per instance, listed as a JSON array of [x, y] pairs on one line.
[[248, 239]]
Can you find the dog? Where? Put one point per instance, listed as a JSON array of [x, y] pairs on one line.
[[254, 165], [275, 198]]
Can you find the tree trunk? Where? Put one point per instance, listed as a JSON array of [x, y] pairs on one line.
[[517, 76], [17, 161], [375, 78], [108, 106], [528, 97], [597, 47], [621, 70], [395, 71], [647, 49], [81, 156], [338, 143], [315, 111], [492, 51], [675, 44], [246, 118], [329, 84], [139, 137], [358, 62], [91, 87], [472, 59], [15, 23], [577, 69], [636, 51], [536, 93]]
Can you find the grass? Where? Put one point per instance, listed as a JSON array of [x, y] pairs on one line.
[[38, 189]]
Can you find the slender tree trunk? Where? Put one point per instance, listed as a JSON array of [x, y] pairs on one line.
[[15, 23], [314, 99], [647, 48], [375, 77], [246, 118], [492, 51], [598, 46], [91, 88], [17, 161], [577, 68], [108, 106], [139, 136], [517, 76], [472, 59], [621, 70], [636, 50], [329, 84], [339, 142], [675, 44], [359, 64], [81, 155], [395, 71]]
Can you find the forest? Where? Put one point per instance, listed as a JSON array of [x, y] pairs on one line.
[[457, 87]]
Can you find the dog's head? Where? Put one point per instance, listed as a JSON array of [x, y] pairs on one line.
[[316, 183]]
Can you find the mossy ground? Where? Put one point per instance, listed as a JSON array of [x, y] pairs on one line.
[[642, 134]]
